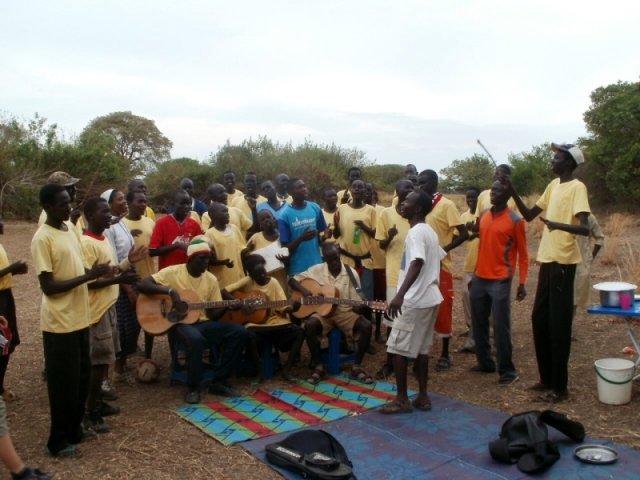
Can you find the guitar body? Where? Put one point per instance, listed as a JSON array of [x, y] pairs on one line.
[[156, 316], [322, 309], [238, 316]]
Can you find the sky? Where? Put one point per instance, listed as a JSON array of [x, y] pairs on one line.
[[406, 81]]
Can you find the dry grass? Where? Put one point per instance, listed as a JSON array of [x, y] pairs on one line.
[[618, 224]]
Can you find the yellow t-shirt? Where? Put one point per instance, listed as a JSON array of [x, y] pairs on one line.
[[232, 196], [241, 203], [340, 194], [59, 252], [193, 214], [272, 290], [444, 218], [258, 241], [149, 213], [227, 245], [471, 253], [78, 228], [328, 219], [377, 254], [321, 274], [178, 278], [146, 266], [349, 237], [388, 218], [562, 202], [100, 299], [236, 217], [6, 281], [484, 203]]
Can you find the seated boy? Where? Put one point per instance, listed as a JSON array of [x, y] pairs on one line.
[[277, 328]]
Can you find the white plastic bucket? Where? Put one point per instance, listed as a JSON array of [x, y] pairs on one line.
[[614, 380]]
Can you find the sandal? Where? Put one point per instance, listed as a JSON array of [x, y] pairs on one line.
[[385, 372], [424, 405], [358, 373], [9, 395], [443, 363], [395, 406], [316, 376]]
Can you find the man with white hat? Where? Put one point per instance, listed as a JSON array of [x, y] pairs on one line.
[[567, 210], [206, 333]]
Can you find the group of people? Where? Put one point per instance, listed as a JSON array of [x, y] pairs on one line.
[[93, 263]]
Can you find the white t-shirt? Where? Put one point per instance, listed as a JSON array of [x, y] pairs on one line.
[[422, 242]]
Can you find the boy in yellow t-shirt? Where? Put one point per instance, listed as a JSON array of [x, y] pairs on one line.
[[227, 243], [207, 332], [103, 294], [8, 311], [64, 318], [567, 215], [445, 220], [277, 329]]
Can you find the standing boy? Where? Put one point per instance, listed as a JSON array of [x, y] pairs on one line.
[[415, 306], [567, 208], [64, 318], [503, 244]]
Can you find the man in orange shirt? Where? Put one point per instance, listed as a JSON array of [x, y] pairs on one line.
[[502, 243]]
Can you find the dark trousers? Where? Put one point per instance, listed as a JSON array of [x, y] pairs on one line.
[[487, 296], [231, 338], [68, 366], [551, 319]]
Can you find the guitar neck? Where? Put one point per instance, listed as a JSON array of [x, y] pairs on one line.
[[218, 304], [352, 303]]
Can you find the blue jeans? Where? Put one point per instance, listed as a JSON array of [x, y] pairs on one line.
[[231, 338], [487, 296]]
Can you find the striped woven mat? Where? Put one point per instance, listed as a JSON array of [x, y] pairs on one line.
[[268, 412]]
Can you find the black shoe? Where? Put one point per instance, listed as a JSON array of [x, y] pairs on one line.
[[553, 397], [222, 389], [95, 422], [508, 380], [467, 350], [86, 433], [481, 369], [107, 410], [29, 473], [192, 396]]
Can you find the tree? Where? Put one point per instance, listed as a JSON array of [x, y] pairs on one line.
[[613, 147], [531, 171], [135, 139], [474, 171]]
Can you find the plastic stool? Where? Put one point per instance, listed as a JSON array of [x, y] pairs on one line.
[[179, 372], [332, 358], [269, 360]]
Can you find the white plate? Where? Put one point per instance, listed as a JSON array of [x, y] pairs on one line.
[[596, 454], [614, 286]]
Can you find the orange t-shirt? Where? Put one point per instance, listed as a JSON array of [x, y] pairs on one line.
[[502, 239]]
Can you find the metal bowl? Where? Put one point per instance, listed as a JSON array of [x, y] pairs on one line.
[[610, 293]]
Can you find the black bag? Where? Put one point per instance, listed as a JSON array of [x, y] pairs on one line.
[[314, 453], [524, 439]]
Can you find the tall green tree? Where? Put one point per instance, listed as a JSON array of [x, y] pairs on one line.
[[613, 145], [135, 139], [531, 171], [476, 170]]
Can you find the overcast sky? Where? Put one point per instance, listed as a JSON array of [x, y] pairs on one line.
[[406, 81]]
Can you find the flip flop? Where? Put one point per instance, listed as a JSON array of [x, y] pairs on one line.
[[357, 373], [443, 363], [394, 407], [317, 376], [423, 406]]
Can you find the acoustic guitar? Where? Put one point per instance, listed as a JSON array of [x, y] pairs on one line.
[[157, 314], [261, 305], [330, 299]]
